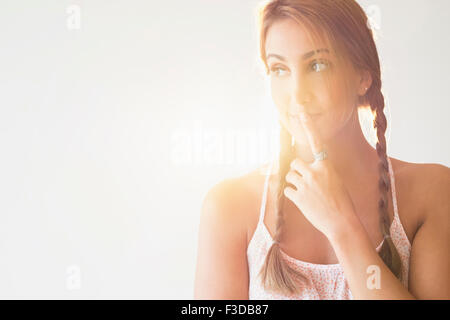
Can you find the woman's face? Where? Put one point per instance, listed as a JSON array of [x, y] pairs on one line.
[[299, 73]]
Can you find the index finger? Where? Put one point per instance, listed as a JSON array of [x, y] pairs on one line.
[[312, 132]]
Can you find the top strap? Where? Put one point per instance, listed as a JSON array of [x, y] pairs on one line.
[[264, 197], [394, 195]]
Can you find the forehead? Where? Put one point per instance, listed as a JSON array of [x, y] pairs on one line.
[[288, 38]]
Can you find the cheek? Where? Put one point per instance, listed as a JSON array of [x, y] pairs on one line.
[[338, 106], [337, 118], [280, 96], [345, 106]]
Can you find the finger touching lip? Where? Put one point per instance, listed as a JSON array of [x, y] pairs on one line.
[[311, 116]]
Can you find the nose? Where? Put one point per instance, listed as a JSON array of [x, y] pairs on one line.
[[301, 95]]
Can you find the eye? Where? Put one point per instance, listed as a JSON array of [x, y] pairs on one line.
[[278, 71], [319, 65]]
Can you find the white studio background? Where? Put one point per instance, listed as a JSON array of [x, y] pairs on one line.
[[117, 117]]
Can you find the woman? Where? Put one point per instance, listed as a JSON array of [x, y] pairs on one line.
[[333, 221]]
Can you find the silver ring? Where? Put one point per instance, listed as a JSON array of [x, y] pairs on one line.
[[322, 155]]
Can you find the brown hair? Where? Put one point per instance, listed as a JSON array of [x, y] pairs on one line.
[[344, 25]]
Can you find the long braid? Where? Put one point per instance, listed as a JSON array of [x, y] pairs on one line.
[[276, 274], [388, 252]]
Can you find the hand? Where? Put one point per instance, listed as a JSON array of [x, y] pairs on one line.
[[321, 195]]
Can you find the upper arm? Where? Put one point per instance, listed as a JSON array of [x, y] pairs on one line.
[[221, 270], [429, 276]]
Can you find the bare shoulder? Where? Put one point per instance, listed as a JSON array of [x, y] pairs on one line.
[[426, 187], [236, 201], [427, 184], [222, 270]]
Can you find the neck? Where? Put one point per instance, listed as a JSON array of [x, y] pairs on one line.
[[352, 156]]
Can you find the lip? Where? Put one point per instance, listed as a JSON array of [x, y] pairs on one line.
[[314, 116]]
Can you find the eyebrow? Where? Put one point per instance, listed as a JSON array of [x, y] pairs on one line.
[[304, 56]]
